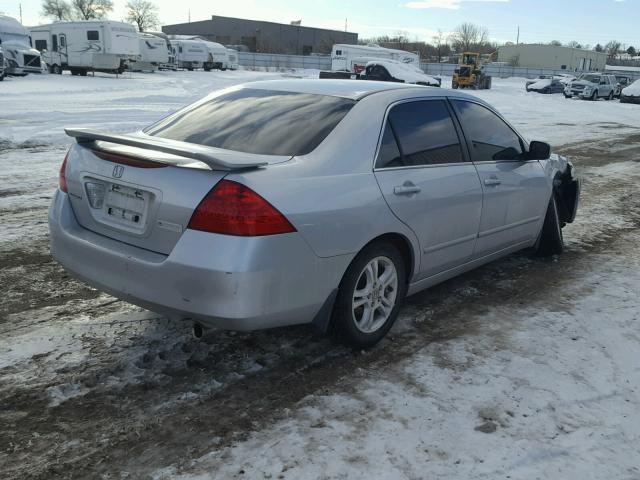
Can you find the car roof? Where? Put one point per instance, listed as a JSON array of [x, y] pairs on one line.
[[353, 89]]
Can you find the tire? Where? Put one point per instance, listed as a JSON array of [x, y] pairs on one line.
[[567, 96], [454, 86], [610, 97], [364, 326], [551, 242], [56, 69], [594, 96], [82, 73]]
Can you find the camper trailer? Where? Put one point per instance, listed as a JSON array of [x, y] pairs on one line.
[[171, 62], [153, 53], [98, 45], [20, 57], [232, 59], [217, 56], [354, 58], [190, 54]]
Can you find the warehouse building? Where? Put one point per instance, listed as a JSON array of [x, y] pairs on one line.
[[551, 56], [265, 37]]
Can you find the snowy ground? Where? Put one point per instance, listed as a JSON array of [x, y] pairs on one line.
[[522, 369]]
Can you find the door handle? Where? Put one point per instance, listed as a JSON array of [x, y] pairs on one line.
[[492, 181], [407, 188]]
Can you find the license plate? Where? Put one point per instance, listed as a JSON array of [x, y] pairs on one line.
[[125, 204]]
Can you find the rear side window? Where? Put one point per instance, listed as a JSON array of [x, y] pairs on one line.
[[425, 133], [490, 137], [41, 45], [93, 35], [257, 121]]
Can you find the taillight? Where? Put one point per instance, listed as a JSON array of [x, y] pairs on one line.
[[62, 179], [231, 208]]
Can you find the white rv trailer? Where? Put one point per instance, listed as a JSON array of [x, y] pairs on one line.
[[190, 54], [232, 59], [354, 58], [20, 57], [1, 64], [153, 53], [171, 62], [217, 56], [98, 45]]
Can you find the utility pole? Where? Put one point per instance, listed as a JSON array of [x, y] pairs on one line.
[[518, 39], [189, 15], [20, 13], [345, 24]]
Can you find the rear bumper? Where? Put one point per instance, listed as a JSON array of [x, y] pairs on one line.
[[629, 99], [236, 283]]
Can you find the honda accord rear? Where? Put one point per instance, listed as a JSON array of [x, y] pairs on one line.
[[166, 221]]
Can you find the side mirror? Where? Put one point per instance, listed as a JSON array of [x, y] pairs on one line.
[[539, 150]]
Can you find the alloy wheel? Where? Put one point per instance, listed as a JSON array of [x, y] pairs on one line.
[[375, 294]]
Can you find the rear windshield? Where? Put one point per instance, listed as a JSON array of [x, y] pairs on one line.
[[257, 121]]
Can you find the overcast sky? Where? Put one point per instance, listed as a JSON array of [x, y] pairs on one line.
[[587, 21]]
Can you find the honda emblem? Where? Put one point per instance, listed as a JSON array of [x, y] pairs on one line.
[[118, 170]]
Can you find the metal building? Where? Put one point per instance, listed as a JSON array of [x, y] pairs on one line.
[[265, 37], [551, 56]]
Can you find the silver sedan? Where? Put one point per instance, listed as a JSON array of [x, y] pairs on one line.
[[305, 201]]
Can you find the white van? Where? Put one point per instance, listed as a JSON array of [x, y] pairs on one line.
[[98, 45], [189, 54], [153, 53], [354, 58], [20, 58]]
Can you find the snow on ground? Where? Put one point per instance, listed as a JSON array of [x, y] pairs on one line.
[[556, 396], [523, 369]]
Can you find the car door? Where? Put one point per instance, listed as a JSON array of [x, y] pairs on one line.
[[515, 189], [429, 183]]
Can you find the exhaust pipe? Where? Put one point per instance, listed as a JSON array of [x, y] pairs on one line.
[[197, 330]]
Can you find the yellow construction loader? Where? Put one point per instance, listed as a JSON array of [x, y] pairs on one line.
[[470, 73]]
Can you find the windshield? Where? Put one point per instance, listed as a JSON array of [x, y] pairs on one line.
[[590, 78], [257, 121], [15, 39]]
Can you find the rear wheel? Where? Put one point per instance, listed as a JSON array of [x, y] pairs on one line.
[[551, 241], [56, 69], [610, 97], [369, 295]]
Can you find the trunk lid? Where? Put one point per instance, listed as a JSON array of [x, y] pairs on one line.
[[142, 196]]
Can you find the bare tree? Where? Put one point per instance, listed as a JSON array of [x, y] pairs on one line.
[[555, 43], [574, 44], [56, 9], [440, 42], [143, 13], [468, 36], [91, 9], [612, 48]]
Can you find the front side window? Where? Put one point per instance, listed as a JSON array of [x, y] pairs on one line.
[[257, 121], [490, 137], [425, 133], [93, 35]]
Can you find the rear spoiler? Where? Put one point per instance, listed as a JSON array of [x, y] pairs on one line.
[[215, 158]]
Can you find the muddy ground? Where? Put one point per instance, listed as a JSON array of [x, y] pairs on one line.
[[91, 387]]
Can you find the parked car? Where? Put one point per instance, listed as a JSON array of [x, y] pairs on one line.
[[551, 85], [591, 86], [631, 94], [393, 71], [1, 65], [623, 82], [304, 201]]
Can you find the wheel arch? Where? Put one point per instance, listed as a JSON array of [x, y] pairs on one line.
[[403, 244]]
